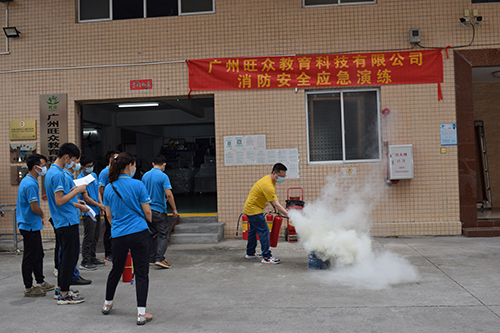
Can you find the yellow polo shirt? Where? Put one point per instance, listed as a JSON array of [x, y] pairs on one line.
[[262, 192]]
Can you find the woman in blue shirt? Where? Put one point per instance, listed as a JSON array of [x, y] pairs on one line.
[[127, 207]]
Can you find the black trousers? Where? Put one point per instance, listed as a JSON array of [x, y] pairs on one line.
[[57, 247], [138, 244], [160, 235], [69, 241], [32, 258], [106, 238], [91, 230]]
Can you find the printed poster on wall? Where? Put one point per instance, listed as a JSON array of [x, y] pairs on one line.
[[251, 150], [448, 134]]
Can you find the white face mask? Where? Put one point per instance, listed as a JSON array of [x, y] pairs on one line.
[[42, 171], [89, 170], [69, 166], [77, 166]]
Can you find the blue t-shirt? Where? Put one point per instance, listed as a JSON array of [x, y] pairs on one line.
[[56, 181], [128, 217], [104, 177], [27, 193], [156, 182], [92, 191]]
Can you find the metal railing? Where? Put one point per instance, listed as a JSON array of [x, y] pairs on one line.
[[14, 224]]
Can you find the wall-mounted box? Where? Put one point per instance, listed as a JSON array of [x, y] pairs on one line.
[[401, 162], [19, 152], [17, 173]]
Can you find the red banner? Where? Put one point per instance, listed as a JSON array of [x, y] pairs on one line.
[[314, 71]]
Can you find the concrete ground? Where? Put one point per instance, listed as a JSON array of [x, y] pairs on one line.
[[213, 288]]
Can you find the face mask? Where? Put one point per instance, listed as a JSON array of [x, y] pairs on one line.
[[280, 179], [133, 173], [69, 166], [77, 166], [89, 170], [42, 172]]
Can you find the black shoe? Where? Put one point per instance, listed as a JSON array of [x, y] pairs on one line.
[[88, 267], [97, 262], [80, 281]]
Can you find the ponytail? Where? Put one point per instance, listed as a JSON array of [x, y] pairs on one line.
[[118, 164]]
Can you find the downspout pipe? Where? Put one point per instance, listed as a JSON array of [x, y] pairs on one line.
[[6, 24]]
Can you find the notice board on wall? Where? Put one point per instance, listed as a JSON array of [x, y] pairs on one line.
[[251, 150]]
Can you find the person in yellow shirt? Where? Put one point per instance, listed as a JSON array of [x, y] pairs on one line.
[[262, 193]]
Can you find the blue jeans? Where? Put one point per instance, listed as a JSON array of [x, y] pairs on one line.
[[257, 225]]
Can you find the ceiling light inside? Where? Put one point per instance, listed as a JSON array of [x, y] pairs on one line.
[[138, 105]]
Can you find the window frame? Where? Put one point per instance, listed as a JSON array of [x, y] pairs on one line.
[[110, 18], [339, 3], [344, 160]]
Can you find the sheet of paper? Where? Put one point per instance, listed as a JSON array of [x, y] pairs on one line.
[[84, 181], [91, 212]]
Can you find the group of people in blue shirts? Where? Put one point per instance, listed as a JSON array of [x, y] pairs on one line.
[[136, 210]]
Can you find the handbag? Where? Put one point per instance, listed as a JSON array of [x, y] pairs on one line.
[[119, 196]]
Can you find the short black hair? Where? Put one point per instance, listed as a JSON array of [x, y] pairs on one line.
[[35, 159], [279, 167], [159, 160], [86, 159], [70, 149]]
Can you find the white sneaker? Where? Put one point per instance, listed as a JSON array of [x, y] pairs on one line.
[[55, 272], [270, 260], [255, 255]]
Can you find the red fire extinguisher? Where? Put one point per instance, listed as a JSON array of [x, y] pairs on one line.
[[245, 226], [128, 270], [269, 221], [275, 232]]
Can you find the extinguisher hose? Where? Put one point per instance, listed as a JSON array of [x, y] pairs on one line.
[[238, 224]]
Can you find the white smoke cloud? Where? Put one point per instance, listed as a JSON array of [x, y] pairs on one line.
[[337, 227]]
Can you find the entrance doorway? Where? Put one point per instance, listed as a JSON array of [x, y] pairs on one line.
[[181, 129], [469, 101], [486, 99]]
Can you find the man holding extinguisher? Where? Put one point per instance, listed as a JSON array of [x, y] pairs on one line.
[[262, 193]]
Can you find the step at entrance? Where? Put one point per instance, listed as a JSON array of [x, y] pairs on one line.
[[198, 230]]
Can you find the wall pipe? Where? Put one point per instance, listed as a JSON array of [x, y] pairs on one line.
[[6, 25]]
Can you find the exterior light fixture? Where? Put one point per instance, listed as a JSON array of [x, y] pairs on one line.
[[138, 105], [11, 32], [496, 74]]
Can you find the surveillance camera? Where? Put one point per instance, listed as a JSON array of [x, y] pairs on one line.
[[463, 20], [479, 18]]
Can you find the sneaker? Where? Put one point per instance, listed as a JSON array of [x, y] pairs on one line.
[[71, 292], [34, 292], [108, 258], [151, 263], [270, 260], [68, 299], [255, 255], [46, 286], [55, 272], [163, 264], [106, 308], [143, 319], [97, 262], [88, 267]]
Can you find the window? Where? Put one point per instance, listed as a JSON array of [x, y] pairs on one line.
[[343, 126], [316, 3], [100, 10]]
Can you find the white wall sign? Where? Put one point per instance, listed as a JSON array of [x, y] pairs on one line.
[[251, 150]]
